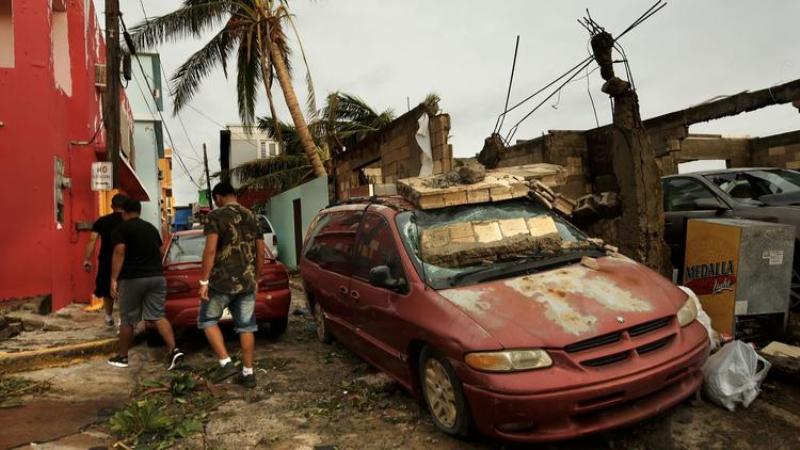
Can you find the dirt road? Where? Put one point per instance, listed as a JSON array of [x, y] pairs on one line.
[[312, 395]]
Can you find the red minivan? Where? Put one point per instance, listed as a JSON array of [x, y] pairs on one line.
[[532, 348], [182, 261]]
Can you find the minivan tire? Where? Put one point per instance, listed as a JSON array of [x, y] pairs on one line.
[[436, 378], [323, 333]]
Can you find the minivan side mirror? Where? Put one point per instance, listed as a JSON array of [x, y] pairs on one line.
[[706, 204], [381, 276]]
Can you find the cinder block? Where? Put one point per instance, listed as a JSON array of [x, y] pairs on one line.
[[431, 201], [437, 167], [500, 193], [478, 196], [461, 233], [793, 165], [455, 198], [487, 232], [435, 238], [775, 151], [542, 226], [513, 227]]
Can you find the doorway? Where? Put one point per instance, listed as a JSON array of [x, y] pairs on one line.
[[298, 229]]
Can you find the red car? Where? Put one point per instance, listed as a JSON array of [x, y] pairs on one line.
[[182, 261], [538, 347]]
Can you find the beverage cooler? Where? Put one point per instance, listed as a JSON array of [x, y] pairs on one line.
[[741, 270]]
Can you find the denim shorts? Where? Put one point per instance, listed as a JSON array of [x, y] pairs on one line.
[[242, 307]]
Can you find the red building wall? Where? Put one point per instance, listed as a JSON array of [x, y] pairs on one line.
[[41, 122]]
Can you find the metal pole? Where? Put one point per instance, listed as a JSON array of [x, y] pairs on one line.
[[208, 177], [112, 106]]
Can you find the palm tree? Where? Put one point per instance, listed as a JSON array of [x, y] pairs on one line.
[[255, 29], [343, 120]]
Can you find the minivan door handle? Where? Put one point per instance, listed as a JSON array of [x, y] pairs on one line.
[[355, 295], [343, 290]]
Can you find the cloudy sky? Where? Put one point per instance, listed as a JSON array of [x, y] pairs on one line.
[[389, 51]]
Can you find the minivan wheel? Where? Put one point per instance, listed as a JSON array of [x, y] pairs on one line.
[[441, 389], [323, 334]]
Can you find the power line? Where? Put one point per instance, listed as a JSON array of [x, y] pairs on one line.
[[498, 125]]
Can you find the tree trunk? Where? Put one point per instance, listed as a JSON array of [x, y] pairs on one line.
[[265, 75], [296, 112]]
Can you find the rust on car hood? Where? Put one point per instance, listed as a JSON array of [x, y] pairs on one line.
[[569, 304]]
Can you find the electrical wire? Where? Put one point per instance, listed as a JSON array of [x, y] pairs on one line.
[[498, 125]]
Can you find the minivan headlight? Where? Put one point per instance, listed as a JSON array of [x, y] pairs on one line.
[[688, 312], [509, 361]]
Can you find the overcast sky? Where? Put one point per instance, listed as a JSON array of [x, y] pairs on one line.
[[387, 51]]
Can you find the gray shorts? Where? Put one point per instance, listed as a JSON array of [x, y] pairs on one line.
[[141, 298]]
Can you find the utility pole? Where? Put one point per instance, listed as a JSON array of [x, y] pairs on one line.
[[640, 230], [111, 115], [208, 177]]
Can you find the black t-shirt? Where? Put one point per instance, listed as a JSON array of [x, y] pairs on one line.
[[142, 249], [103, 227]]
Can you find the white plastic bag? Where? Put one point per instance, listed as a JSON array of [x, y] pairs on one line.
[[732, 375], [703, 318]]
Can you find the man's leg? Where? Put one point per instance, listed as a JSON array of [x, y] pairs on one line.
[[217, 341], [248, 342], [108, 305], [125, 339], [243, 310], [165, 330]]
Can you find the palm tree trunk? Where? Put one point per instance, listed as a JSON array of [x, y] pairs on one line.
[[265, 72], [282, 72]]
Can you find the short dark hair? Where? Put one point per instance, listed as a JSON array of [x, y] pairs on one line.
[[118, 200], [132, 205], [223, 189]]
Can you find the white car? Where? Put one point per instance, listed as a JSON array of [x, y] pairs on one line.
[[269, 235]]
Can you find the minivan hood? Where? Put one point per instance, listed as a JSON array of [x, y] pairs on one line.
[[562, 306]]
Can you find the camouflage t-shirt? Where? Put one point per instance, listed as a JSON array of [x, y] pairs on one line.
[[234, 268]]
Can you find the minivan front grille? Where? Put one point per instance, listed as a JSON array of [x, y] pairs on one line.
[[594, 342], [649, 326], [653, 346], [608, 359]]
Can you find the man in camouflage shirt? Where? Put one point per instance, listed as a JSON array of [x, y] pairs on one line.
[[233, 256]]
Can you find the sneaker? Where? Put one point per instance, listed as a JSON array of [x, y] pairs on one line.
[[109, 321], [248, 381], [174, 358], [224, 372], [118, 361]]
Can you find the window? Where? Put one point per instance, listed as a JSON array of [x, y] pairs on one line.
[[273, 149], [59, 42], [750, 186], [262, 149], [6, 34], [186, 249], [680, 194], [330, 242], [376, 247]]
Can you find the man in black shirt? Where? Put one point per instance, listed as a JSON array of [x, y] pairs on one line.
[[102, 228], [137, 280]]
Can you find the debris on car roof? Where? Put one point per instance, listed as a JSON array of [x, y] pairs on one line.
[[473, 184]]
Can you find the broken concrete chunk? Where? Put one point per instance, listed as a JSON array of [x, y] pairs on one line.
[[538, 197], [513, 227], [472, 173], [539, 186], [542, 227], [590, 263], [487, 232]]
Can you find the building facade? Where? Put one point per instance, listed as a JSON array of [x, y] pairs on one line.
[[240, 144], [52, 82], [146, 100], [167, 200]]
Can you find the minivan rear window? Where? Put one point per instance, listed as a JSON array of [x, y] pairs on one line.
[[330, 242], [413, 224]]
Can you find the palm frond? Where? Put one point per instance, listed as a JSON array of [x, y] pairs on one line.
[[190, 74], [274, 174], [248, 75], [190, 20], [291, 139]]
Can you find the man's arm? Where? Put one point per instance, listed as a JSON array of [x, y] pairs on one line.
[[116, 267], [209, 253], [90, 246]]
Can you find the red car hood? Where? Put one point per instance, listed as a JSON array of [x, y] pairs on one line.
[[562, 306]]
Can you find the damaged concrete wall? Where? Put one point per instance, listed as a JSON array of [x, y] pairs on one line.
[[394, 153], [565, 148]]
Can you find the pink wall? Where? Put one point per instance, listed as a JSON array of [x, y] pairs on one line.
[[39, 122]]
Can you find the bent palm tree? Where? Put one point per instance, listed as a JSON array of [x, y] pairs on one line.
[[254, 28]]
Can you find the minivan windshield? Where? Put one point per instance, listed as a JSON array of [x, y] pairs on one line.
[[413, 224]]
